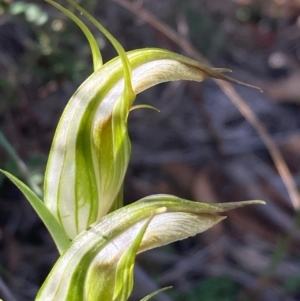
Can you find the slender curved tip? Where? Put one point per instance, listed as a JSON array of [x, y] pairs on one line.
[[257, 202], [232, 80], [249, 202]]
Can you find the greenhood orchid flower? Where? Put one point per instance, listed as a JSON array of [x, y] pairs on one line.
[[91, 147], [93, 267], [82, 209]]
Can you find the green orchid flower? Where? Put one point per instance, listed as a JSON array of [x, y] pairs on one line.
[[98, 265], [91, 148]]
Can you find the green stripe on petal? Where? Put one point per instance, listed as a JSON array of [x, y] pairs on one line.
[[125, 266]]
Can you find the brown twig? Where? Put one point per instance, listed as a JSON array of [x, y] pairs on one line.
[[245, 110]]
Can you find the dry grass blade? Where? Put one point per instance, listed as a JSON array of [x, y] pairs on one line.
[[245, 110]]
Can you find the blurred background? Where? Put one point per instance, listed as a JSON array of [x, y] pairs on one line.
[[200, 146]]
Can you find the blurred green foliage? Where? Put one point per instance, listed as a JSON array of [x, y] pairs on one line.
[[201, 29], [36, 50], [32, 12], [292, 284], [210, 289]]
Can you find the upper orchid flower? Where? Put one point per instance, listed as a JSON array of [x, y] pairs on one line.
[[91, 148]]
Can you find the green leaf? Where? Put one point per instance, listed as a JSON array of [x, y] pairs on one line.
[[57, 232], [102, 246]]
